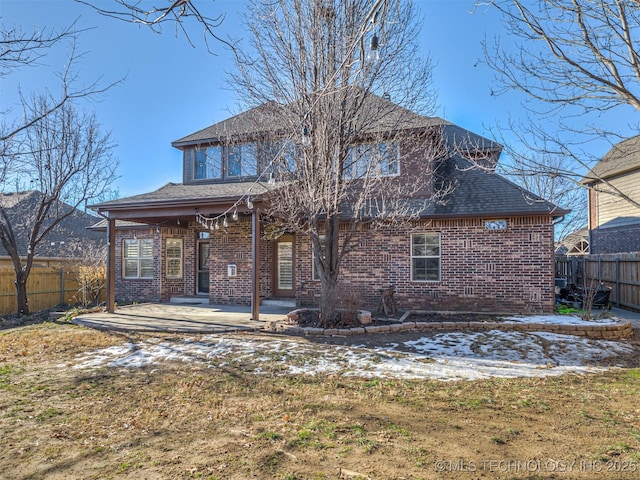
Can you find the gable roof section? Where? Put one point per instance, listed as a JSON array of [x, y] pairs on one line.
[[265, 118], [622, 158], [269, 118]]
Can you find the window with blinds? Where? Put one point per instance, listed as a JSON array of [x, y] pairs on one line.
[[137, 258], [173, 257], [285, 265]]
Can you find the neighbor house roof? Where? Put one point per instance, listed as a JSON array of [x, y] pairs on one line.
[[622, 158], [65, 240]]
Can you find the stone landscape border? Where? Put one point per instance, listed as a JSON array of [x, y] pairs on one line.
[[612, 331]]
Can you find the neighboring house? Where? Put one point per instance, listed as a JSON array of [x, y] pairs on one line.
[[614, 200], [67, 241], [490, 241], [575, 243]]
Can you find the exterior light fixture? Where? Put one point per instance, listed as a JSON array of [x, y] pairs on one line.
[[249, 203], [272, 180], [225, 224], [374, 53], [306, 136], [234, 217], [217, 226]]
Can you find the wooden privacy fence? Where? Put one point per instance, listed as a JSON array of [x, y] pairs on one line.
[[620, 271], [48, 287]]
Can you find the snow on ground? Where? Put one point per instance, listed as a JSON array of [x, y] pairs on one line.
[[561, 320], [444, 356]]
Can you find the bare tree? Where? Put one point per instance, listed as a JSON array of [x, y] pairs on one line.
[[550, 178], [314, 73], [580, 53], [575, 61], [50, 152], [177, 13], [68, 160]]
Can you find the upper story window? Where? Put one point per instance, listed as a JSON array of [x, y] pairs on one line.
[[219, 162], [242, 160], [371, 159], [208, 163], [279, 157], [233, 161]]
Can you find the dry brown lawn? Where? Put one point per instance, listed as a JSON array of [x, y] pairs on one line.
[[183, 420]]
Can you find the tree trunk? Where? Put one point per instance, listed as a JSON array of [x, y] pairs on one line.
[[328, 299], [21, 293]]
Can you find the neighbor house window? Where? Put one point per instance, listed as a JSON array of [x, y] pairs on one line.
[[314, 266], [174, 257], [242, 160], [425, 257], [137, 258], [208, 163], [380, 159]]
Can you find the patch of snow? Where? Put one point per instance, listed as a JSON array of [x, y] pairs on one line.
[[444, 356], [560, 320]]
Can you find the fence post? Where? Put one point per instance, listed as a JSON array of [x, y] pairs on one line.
[[618, 282], [62, 285], [599, 269]]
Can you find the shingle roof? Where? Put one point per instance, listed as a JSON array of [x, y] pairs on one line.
[[272, 117], [262, 119], [623, 157], [476, 192], [178, 192], [481, 192], [65, 240]]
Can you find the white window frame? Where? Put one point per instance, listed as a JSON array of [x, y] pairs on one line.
[[138, 259], [171, 259], [415, 256]]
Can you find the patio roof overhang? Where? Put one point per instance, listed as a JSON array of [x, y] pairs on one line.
[[172, 213], [179, 213]]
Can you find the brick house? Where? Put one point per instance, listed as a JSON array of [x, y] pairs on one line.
[[614, 221], [487, 247]]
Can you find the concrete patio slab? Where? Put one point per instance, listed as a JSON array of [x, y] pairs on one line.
[[181, 318]]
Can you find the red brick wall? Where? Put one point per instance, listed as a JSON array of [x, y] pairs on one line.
[[137, 289], [481, 270]]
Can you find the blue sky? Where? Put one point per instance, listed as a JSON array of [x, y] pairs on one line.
[[172, 89]]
